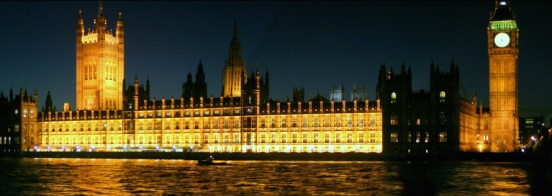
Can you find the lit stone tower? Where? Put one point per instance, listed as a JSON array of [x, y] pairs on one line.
[[234, 69], [100, 65], [502, 38]]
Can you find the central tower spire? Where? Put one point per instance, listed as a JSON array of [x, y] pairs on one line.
[[234, 68]]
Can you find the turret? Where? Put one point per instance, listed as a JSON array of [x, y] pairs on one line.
[[120, 30], [136, 93], [258, 79], [200, 86], [147, 89], [80, 28], [35, 98], [11, 94], [48, 103], [258, 88]]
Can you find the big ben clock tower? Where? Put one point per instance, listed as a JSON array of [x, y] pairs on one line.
[[502, 38]]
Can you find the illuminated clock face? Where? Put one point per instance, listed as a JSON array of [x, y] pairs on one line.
[[502, 40]]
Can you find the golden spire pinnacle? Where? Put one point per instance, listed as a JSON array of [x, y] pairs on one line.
[[100, 13]]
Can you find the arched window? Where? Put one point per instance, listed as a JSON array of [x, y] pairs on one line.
[[442, 96], [393, 97]]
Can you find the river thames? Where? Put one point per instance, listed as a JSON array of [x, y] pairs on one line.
[[76, 176]]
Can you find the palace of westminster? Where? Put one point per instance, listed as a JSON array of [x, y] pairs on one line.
[[111, 116]]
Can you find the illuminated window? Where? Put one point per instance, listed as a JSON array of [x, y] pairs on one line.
[[418, 137], [409, 137], [394, 119], [442, 96], [393, 97], [236, 123], [394, 137], [427, 137], [372, 121], [443, 136]]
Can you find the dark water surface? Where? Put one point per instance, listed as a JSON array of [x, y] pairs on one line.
[[58, 176]]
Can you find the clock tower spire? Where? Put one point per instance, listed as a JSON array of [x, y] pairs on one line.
[[502, 44]]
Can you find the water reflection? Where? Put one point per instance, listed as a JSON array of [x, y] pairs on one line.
[[183, 177]]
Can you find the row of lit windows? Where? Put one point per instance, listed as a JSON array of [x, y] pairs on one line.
[[394, 137], [309, 121], [25, 113], [442, 97], [208, 140], [286, 148], [24, 125], [212, 123], [395, 119], [188, 113]]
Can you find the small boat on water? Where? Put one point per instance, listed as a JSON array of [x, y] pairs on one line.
[[210, 161]]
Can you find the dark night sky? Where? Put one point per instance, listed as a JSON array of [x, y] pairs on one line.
[[312, 44]]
